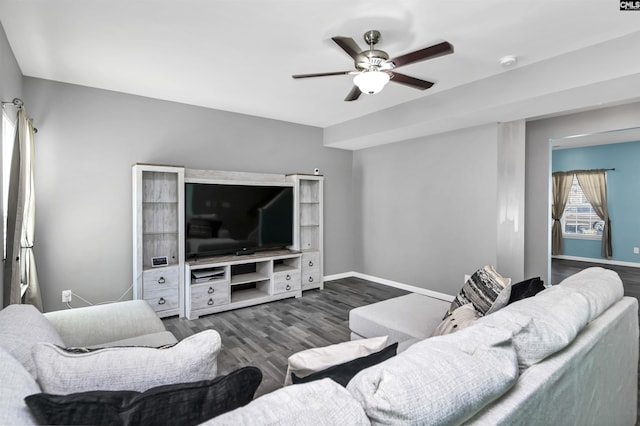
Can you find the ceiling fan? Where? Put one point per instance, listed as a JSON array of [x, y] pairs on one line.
[[374, 69]]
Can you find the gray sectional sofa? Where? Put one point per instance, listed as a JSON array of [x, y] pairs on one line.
[[568, 356]]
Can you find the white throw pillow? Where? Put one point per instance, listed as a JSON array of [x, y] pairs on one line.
[[317, 359], [127, 368], [439, 381]]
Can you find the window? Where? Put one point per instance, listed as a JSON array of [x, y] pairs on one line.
[[8, 140], [579, 219]]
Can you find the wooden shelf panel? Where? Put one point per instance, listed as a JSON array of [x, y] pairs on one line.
[[250, 277]]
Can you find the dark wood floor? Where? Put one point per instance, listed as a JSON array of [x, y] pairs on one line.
[[266, 335]]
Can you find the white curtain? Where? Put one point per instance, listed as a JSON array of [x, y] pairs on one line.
[[20, 276]]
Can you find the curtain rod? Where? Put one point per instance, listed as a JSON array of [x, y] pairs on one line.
[[590, 170], [16, 102]]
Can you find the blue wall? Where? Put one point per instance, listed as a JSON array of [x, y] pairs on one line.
[[623, 192]]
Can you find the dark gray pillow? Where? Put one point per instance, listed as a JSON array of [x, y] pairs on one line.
[[343, 373], [526, 288], [179, 404]]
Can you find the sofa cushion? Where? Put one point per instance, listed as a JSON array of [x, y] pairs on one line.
[[323, 402], [486, 289], [459, 319], [15, 384], [178, 404], [412, 316], [312, 360], [602, 288], [127, 368], [542, 325], [21, 328], [526, 288], [343, 373], [441, 380]]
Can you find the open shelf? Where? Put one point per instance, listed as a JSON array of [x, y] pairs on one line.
[[249, 277], [247, 294]]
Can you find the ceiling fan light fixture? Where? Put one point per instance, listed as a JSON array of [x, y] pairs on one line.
[[371, 82]]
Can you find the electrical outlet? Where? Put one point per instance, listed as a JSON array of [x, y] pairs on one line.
[[66, 295], [636, 250]]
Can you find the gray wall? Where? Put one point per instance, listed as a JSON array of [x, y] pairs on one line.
[[89, 139], [426, 209], [538, 163], [10, 87]]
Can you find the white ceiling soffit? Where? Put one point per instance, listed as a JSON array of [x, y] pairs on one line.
[[239, 55], [600, 138]]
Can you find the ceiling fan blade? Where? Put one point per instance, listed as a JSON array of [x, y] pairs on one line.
[[322, 74], [348, 45], [353, 94], [416, 83], [430, 52]]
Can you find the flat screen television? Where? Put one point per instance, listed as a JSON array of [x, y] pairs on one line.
[[223, 219]]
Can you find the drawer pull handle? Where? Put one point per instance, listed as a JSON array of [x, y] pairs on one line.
[[161, 280], [210, 290], [210, 302], [288, 287], [161, 301], [288, 277], [310, 279], [310, 263]]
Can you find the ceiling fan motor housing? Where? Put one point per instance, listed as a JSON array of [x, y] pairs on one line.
[[371, 59]]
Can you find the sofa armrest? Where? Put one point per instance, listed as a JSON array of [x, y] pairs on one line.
[[100, 324]]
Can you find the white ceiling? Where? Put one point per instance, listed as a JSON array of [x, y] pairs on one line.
[[239, 55]]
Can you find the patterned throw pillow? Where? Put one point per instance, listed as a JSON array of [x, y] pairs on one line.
[[486, 289], [459, 319]]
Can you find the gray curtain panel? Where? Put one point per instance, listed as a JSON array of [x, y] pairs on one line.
[[594, 187], [561, 184]]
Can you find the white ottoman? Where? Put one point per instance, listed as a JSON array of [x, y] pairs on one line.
[[409, 317]]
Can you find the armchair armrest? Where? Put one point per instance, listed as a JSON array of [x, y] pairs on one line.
[[101, 324]]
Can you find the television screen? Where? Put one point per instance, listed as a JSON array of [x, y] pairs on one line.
[[223, 218]]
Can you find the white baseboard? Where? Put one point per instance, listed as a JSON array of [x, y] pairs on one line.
[[384, 281], [602, 261]]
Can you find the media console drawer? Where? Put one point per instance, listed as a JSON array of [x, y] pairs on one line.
[[207, 295], [286, 281], [160, 279], [162, 300]]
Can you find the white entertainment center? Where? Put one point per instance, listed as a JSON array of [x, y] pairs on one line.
[[174, 285]]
